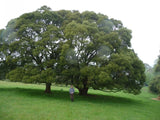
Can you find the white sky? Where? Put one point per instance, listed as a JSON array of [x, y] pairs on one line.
[[141, 16]]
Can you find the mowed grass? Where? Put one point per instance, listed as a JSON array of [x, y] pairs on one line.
[[20, 101]]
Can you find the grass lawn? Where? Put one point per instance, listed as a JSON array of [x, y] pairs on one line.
[[20, 101]]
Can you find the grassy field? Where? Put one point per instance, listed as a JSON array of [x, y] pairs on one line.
[[20, 101]]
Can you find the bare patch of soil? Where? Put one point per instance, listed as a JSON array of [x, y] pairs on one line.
[[158, 98]]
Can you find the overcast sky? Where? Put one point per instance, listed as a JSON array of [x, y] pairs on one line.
[[141, 16]]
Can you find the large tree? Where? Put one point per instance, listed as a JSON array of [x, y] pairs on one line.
[[37, 47], [85, 49], [97, 54]]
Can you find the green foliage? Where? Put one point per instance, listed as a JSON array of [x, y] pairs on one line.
[[126, 73], [157, 66], [125, 36], [155, 85], [149, 77], [17, 74], [149, 72], [32, 74], [85, 49]]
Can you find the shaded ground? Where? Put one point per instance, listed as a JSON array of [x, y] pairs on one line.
[[29, 102]]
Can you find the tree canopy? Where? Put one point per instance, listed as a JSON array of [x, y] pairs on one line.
[[155, 83], [85, 49]]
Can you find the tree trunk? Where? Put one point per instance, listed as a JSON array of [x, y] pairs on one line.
[[83, 91], [48, 88]]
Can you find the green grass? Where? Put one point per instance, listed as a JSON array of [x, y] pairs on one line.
[[20, 101]]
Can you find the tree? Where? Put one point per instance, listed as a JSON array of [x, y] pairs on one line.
[[37, 47], [155, 83], [149, 72], [97, 55], [157, 66], [85, 49], [7, 62]]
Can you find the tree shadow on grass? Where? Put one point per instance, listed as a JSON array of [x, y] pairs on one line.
[[64, 96]]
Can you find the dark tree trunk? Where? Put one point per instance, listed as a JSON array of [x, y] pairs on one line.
[[48, 88], [83, 91]]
